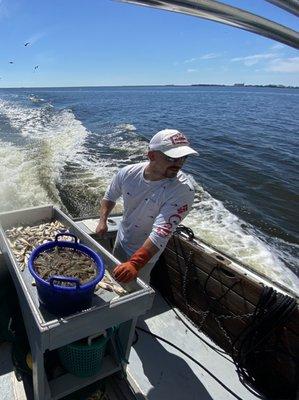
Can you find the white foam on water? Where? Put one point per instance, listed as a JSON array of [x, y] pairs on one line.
[[35, 99], [20, 186], [60, 130], [123, 138], [122, 149], [86, 176], [127, 127], [44, 123], [213, 223], [52, 139]]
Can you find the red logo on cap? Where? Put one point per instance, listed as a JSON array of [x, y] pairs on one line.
[[179, 138]]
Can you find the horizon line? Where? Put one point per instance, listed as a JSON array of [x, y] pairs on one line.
[[238, 85]]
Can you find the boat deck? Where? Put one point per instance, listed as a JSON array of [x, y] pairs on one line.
[[156, 370], [159, 371], [10, 387]]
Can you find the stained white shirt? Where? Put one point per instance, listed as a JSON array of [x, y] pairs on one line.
[[152, 209]]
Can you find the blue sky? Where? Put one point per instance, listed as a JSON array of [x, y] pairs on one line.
[[106, 42]]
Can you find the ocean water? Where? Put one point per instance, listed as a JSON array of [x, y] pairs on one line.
[[62, 146]]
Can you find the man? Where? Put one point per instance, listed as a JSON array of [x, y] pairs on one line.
[[157, 197]]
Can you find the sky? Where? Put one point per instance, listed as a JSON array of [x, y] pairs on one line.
[[110, 43]]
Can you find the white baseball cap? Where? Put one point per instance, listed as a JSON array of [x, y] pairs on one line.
[[172, 143]]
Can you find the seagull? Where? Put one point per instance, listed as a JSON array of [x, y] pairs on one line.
[[26, 44]]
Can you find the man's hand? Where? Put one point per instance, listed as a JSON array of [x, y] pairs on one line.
[[128, 270], [106, 208], [102, 228], [125, 272]]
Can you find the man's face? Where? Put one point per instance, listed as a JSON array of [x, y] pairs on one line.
[[168, 167]]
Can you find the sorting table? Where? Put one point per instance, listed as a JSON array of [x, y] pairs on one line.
[[47, 332]]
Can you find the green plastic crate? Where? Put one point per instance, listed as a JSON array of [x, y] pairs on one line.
[[84, 358]]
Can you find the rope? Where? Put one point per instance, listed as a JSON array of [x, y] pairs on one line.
[[253, 347], [184, 282], [223, 294], [189, 265]]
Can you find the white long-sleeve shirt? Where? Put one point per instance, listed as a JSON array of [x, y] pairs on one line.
[[152, 209]]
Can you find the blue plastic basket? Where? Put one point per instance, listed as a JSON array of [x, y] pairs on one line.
[[65, 300]]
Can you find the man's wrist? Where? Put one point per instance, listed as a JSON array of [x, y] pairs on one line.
[[140, 258]]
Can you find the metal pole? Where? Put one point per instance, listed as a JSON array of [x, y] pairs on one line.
[[219, 12]]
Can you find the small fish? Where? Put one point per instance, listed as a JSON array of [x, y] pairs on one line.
[[105, 286]]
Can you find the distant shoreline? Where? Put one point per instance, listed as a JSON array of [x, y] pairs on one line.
[[244, 85], [235, 85]]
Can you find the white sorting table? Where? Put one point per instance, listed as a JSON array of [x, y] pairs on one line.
[[46, 332]]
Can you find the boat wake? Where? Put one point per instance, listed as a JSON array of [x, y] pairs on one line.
[[213, 223], [41, 142]]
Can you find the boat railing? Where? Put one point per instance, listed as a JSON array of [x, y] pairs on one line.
[[236, 17]]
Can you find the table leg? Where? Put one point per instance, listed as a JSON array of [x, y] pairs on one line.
[[40, 384]]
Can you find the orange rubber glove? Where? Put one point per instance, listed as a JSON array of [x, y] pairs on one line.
[[128, 270]]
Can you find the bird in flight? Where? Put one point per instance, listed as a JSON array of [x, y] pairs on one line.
[[26, 44]]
